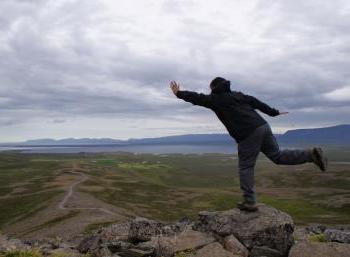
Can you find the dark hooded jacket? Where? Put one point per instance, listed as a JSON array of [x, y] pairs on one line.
[[235, 110]]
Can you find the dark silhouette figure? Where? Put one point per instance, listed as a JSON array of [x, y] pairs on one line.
[[252, 133]]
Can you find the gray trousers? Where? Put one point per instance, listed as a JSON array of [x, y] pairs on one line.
[[262, 140]]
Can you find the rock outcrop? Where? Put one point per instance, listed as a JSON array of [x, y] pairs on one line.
[[267, 232], [7, 244], [268, 228], [335, 235], [231, 233], [322, 241], [44, 247]]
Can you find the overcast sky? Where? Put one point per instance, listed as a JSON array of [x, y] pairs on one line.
[[101, 68]]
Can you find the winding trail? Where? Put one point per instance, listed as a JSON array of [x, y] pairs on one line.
[[62, 204]]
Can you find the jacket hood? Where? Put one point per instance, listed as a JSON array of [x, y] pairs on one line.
[[222, 87]]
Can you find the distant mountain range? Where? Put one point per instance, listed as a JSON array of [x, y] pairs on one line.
[[336, 135]]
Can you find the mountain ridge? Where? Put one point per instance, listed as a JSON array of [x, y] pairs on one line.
[[337, 135]]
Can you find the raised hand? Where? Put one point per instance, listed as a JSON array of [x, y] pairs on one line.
[[174, 87]]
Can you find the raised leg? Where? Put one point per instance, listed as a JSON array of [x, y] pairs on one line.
[[288, 157]]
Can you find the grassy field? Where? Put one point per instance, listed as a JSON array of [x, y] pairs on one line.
[[23, 189], [170, 187]]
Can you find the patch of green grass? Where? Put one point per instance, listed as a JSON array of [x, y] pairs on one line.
[[16, 253], [216, 201], [295, 238], [106, 162], [303, 211], [64, 254], [141, 166], [317, 238]]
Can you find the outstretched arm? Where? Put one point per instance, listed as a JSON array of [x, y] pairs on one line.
[[191, 97], [257, 104]]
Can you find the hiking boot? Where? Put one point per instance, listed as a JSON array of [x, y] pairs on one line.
[[319, 159], [244, 206]]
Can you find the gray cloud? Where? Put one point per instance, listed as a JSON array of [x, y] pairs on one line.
[[68, 61]]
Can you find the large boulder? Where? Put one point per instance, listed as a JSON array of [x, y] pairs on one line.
[[139, 237], [232, 244], [313, 249], [268, 227], [335, 235], [188, 239], [143, 229], [105, 240]]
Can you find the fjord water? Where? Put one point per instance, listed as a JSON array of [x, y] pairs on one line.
[[155, 149]]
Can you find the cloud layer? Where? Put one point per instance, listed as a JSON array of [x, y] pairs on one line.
[[101, 68]]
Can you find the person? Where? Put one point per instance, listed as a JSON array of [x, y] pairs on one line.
[[237, 112]]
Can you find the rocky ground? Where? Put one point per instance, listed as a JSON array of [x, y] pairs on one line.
[[232, 233]]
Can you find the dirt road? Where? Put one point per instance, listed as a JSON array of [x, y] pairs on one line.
[[83, 177]]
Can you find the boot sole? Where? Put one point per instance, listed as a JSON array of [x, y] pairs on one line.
[[244, 207], [320, 159]]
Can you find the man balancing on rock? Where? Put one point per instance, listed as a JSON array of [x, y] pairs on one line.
[[252, 133]]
